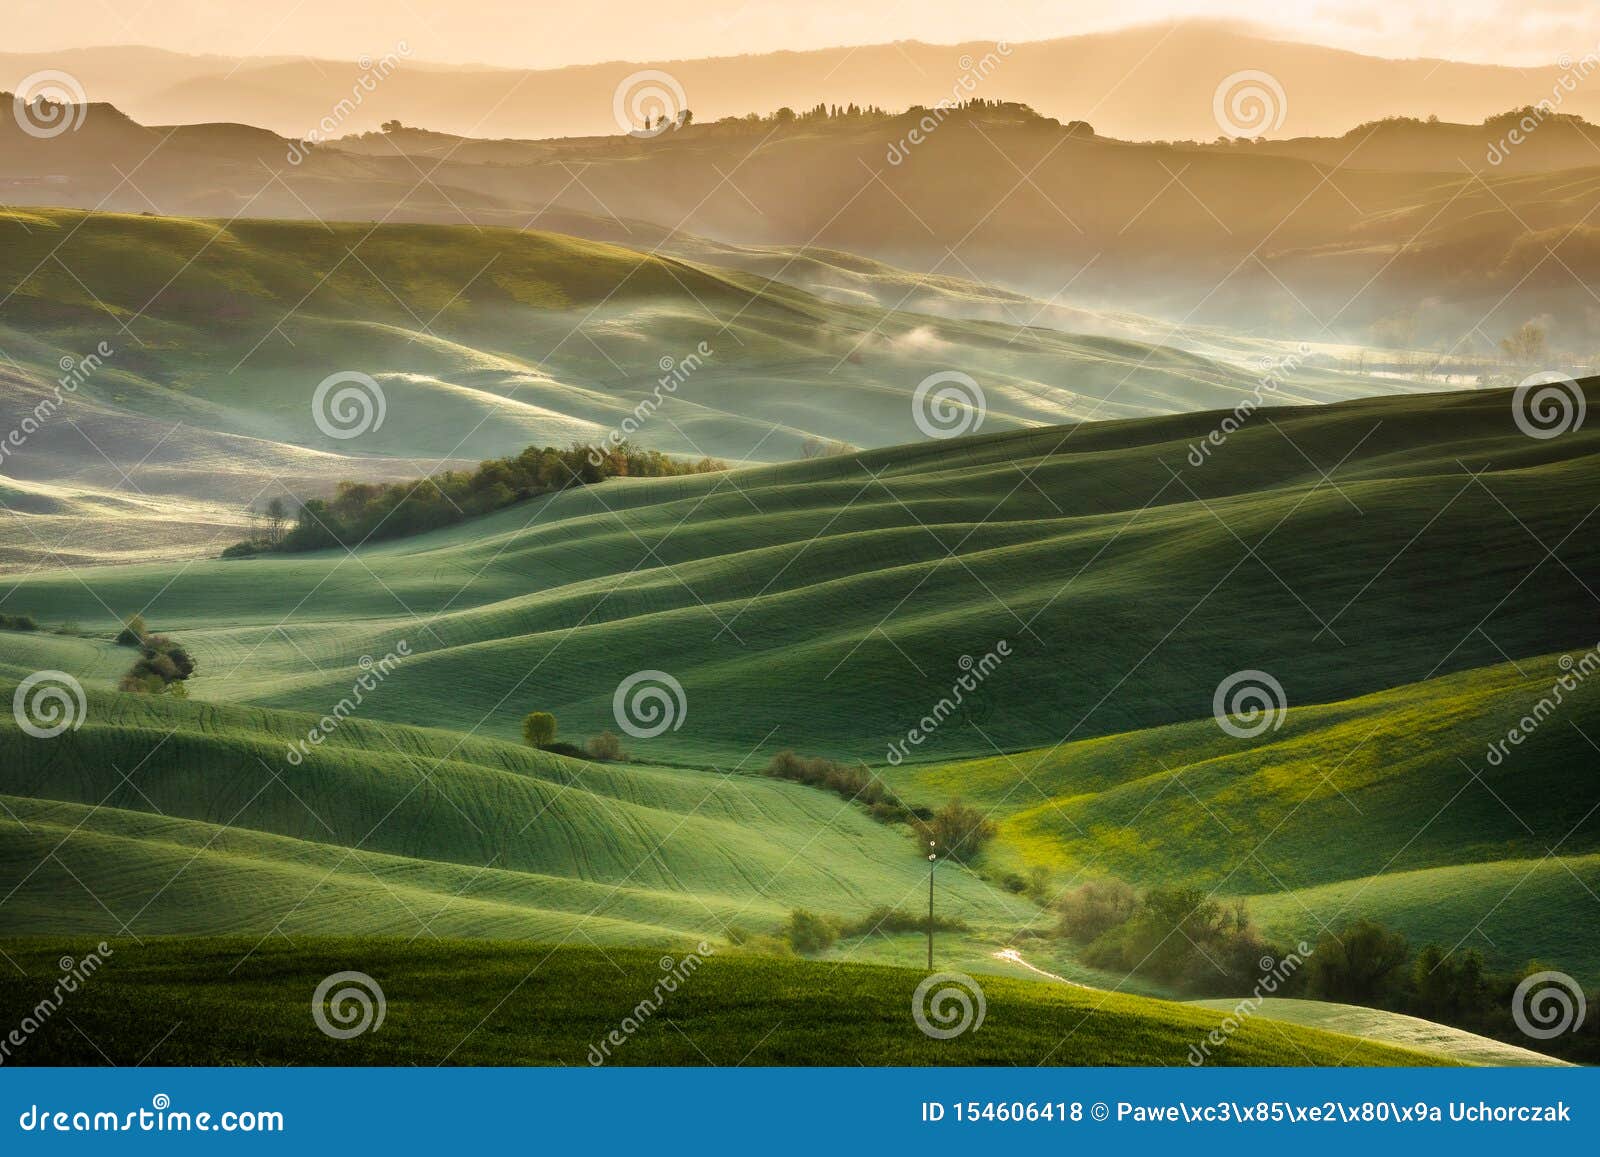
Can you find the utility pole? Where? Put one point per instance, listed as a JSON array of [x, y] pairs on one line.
[[933, 862]]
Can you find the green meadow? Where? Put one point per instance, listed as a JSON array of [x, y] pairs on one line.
[[827, 606], [529, 1004]]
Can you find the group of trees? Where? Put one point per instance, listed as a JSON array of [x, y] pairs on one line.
[[17, 623], [1186, 938], [811, 934], [368, 511], [539, 730], [162, 666], [1179, 936]]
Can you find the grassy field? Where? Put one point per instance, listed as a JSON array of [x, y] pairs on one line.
[[1383, 806], [828, 605], [518, 1004], [206, 342], [485, 340], [185, 818], [1390, 1028]]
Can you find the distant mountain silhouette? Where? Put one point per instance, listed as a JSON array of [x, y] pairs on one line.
[[1155, 82], [1398, 233]]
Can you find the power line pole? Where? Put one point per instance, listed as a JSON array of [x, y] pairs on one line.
[[933, 862]]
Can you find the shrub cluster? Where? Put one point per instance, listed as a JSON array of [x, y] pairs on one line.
[[954, 832], [890, 920], [162, 666], [1182, 937], [133, 632], [808, 933], [851, 782], [1179, 936], [605, 747], [367, 511], [17, 623]]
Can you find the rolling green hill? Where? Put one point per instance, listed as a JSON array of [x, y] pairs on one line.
[[1390, 1028], [194, 350], [534, 1005], [185, 818], [1386, 807], [827, 605], [486, 340]]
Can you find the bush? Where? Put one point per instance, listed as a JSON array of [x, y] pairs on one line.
[[1448, 986], [607, 747], [362, 511], [853, 783], [17, 623], [162, 663], [1091, 910], [1183, 937], [956, 832], [808, 933], [889, 920], [570, 750], [539, 729]]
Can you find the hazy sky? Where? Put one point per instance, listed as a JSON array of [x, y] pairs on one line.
[[542, 34]]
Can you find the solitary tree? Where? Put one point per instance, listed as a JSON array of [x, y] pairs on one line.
[[1526, 345], [539, 729]]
